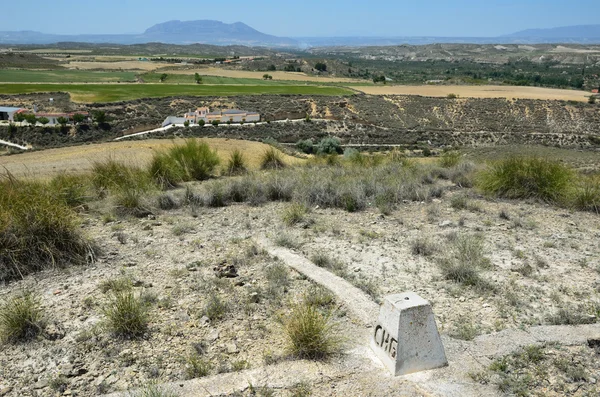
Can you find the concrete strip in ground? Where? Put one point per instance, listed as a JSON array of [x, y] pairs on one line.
[[351, 371], [10, 144], [360, 305]]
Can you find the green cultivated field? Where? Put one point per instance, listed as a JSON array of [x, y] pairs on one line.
[[63, 76], [189, 79], [122, 92]]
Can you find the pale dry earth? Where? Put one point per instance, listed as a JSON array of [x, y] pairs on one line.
[[80, 159], [560, 247], [482, 91]]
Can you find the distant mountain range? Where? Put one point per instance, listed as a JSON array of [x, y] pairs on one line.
[[219, 33], [566, 32], [172, 32]]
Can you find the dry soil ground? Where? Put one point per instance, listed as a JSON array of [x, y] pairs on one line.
[[48, 163], [542, 259], [482, 91]]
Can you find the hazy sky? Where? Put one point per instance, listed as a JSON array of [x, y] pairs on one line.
[[304, 17]]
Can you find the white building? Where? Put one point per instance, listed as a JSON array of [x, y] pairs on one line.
[[8, 113], [221, 116]]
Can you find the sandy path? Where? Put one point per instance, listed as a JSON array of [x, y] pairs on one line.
[[79, 159], [483, 91]]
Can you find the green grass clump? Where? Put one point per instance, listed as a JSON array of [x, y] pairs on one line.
[[287, 241], [38, 230], [130, 201], [294, 214], [153, 390], [21, 318], [197, 366], [527, 177], [423, 246], [215, 308], [319, 297], [271, 159], [192, 161], [126, 315], [72, 189], [129, 186], [465, 262], [587, 195], [450, 159], [113, 176], [236, 165], [310, 332], [120, 284]]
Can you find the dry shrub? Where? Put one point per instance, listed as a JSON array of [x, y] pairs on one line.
[[192, 161], [236, 165], [37, 230], [527, 177], [21, 318], [271, 159], [310, 332], [126, 315]]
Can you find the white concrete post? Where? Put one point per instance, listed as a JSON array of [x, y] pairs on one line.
[[406, 338]]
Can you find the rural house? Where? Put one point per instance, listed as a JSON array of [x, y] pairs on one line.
[[221, 116], [7, 113]]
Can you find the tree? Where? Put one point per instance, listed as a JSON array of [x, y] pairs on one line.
[[379, 79], [266, 76], [306, 146], [329, 145], [31, 119], [198, 78], [271, 68], [163, 77], [592, 99], [43, 120], [20, 117], [78, 118], [100, 116], [186, 123], [321, 66], [215, 122], [63, 121], [201, 123]]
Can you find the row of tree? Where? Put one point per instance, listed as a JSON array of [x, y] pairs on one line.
[[99, 117]]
